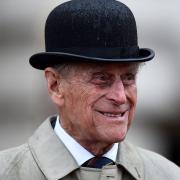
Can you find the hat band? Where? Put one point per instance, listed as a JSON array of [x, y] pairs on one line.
[[106, 52]]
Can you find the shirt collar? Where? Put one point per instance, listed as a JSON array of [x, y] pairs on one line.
[[79, 153]]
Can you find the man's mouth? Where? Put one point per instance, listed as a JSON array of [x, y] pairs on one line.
[[112, 114], [118, 114]]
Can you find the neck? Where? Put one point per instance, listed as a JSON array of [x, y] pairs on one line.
[[97, 149]]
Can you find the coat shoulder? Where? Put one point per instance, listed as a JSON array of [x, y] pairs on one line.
[[10, 158], [158, 166]]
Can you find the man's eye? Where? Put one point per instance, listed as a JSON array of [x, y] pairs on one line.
[[128, 79], [100, 79]]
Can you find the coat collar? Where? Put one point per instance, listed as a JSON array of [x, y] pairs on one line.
[[129, 158], [50, 154], [55, 161]]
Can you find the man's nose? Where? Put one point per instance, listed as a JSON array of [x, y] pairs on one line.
[[117, 93]]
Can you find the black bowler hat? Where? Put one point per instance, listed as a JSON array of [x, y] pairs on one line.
[[92, 31]]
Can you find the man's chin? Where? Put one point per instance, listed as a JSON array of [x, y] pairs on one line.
[[116, 139], [120, 137]]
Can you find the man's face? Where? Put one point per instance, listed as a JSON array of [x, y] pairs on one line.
[[99, 101]]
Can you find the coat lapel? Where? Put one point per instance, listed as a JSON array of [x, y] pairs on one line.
[[49, 152], [129, 158]]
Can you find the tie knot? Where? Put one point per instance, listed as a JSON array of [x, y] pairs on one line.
[[98, 162]]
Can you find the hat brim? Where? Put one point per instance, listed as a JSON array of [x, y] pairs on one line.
[[49, 59]]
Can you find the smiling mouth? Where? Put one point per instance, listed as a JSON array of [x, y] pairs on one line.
[[113, 115]]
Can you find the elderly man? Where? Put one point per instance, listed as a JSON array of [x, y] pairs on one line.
[[90, 64]]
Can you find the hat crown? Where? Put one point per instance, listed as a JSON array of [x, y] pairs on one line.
[[91, 24]]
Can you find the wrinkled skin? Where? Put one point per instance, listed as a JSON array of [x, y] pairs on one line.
[[96, 102]]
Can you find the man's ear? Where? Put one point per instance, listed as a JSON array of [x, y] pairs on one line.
[[54, 86]]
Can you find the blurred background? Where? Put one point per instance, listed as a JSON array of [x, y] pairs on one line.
[[24, 101]]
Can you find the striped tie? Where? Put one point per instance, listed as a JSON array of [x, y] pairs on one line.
[[97, 162]]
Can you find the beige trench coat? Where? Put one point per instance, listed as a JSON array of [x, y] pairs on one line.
[[45, 157]]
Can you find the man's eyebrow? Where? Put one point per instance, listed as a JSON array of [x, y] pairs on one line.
[[96, 69], [101, 73]]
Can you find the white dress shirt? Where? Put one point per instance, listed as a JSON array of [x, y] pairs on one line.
[[80, 154]]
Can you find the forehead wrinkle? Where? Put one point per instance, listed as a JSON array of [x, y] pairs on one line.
[[85, 70], [115, 66]]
